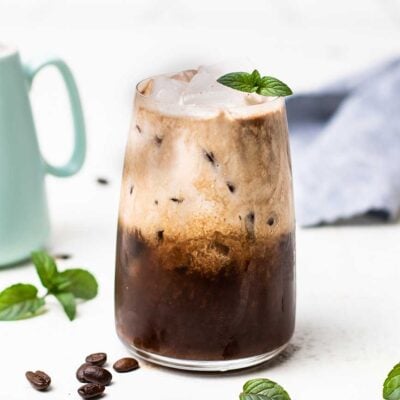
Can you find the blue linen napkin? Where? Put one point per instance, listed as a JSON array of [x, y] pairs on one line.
[[345, 141]]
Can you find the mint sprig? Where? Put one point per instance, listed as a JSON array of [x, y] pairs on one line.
[[255, 83], [21, 301], [263, 389]]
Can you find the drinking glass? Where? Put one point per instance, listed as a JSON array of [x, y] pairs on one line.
[[205, 266]]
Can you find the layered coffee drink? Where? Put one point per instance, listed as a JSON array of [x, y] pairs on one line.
[[205, 276]]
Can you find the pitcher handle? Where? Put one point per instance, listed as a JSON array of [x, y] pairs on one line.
[[77, 158]]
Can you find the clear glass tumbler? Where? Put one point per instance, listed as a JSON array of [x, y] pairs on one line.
[[205, 267]]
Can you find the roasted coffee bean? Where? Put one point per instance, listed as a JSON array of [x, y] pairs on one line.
[[79, 373], [91, 390], [96, 374], [126, 364], [96, 359], [39, 379], [63, 256], [102, 181]]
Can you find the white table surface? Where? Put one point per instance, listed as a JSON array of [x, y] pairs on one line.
[[347, 334]]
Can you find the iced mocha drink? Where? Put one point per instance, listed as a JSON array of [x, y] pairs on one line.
[[205, 252]]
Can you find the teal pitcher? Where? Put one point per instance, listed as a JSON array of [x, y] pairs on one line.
[[24, 221]]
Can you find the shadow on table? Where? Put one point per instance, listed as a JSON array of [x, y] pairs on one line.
[[26, 263]]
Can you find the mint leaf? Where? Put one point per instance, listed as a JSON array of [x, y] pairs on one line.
[[391, 386], [242, 81], [254, 83], [19, 301], [270, 86], [263, 389], [251, 396], [79, 282], [45, 267], [67, 300], [255, 75]]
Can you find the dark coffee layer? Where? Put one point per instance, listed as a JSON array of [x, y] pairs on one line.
[[246, 308]]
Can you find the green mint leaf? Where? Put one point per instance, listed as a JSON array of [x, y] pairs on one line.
[[391, 386], [263, 389], [79, 282], [254, 83], [19, 301], [67, 300], [270, 86], [45, 267], [253, 396], [255, 75], [242, 81]]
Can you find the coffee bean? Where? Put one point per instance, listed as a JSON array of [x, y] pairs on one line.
[[126, 364], [96, 359], [39, 379], [79, 373], [63, 256], [91, 390], [102, 181], [96, 374]]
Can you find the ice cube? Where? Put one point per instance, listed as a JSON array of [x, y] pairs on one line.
[[204, 90], [168, 90], [185, 76]]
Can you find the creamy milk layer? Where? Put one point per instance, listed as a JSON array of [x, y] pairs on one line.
[[218, 184]]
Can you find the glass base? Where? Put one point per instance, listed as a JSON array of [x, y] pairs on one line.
[[205, 366]]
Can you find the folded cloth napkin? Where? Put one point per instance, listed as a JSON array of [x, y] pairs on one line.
[[345, 141]]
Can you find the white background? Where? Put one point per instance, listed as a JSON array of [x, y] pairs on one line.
[[347, 335]]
